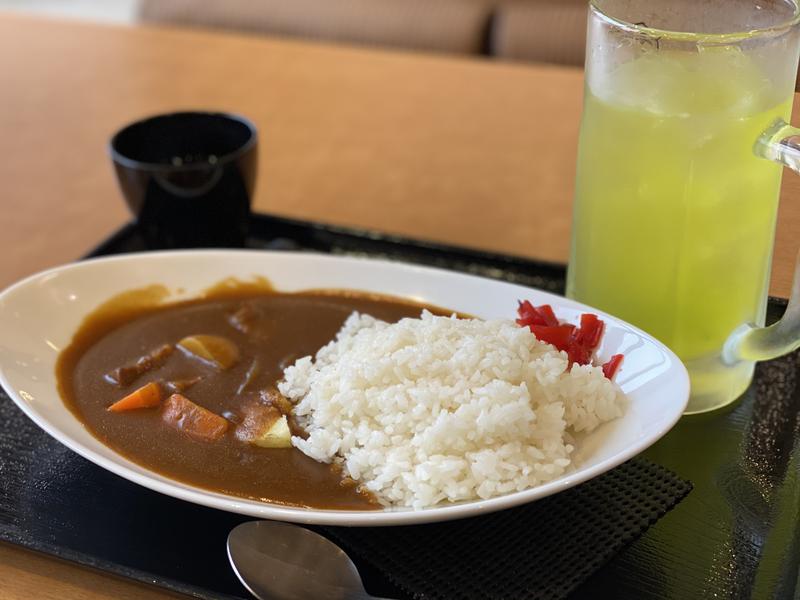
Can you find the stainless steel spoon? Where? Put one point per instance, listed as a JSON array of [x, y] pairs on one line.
[[279, 561]]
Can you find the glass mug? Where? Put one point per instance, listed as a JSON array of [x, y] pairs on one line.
[[683, 134]]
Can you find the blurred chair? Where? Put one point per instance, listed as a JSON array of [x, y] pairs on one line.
[[456, 26], [549, 31], [537, 30], [546, 31]]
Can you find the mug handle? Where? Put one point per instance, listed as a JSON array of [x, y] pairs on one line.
[[780, 143]]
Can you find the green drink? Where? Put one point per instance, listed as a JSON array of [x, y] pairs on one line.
[[674, 211], [669, 195]]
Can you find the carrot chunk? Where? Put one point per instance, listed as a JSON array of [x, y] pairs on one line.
[[147, 396], [195, 421]]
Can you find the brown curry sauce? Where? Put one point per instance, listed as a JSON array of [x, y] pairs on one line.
[[282, 328]]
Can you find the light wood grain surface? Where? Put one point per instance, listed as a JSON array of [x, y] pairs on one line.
[[463, 151], [26, 575]]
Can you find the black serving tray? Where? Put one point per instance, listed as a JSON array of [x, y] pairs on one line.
[[735, 536]]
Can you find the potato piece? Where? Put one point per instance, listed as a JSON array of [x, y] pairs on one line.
[[213, 350], [264, 426], [278, 436]]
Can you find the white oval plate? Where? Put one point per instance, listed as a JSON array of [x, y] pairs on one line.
[[39, 315]]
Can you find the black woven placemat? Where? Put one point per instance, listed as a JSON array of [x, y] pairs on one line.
[[543, 550]]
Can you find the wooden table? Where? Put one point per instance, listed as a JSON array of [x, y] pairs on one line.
[[458, 150], [468, 152]]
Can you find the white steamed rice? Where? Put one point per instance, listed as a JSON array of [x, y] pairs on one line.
[[440, 409]]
